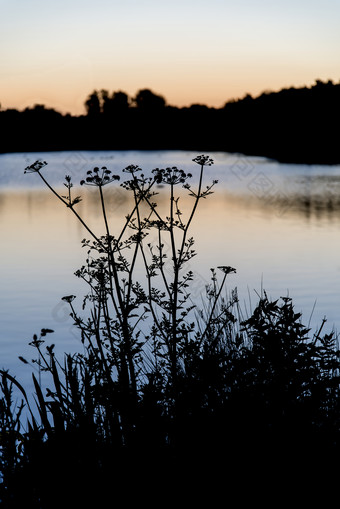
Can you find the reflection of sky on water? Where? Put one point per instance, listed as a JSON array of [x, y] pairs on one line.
[[236, 172], [277, 225]]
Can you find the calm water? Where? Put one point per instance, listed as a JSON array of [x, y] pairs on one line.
[[278, 225]]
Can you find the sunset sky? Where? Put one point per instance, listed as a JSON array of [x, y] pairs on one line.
[[190, 51]]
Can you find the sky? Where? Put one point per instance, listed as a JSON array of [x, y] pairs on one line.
[[189, 51]]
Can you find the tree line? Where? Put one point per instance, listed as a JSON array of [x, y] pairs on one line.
[[297, 125]]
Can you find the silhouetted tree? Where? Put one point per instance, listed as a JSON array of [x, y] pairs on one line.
[[120, 100], [295, 125], [116, 104], [104, 101], [146, 100], [92, 104]]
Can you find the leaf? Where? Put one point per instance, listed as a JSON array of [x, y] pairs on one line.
[[21, 389], [76, 200], [56, 380]]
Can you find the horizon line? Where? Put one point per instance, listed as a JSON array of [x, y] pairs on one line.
[[230, 100]]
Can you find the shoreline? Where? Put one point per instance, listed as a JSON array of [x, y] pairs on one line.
[[279, 158]]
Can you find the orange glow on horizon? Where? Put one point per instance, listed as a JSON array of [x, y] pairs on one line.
[[72, 101], [56, 54]]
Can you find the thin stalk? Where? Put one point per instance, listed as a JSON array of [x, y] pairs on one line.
[[134, 258], [88, 337], [216, 298], [112, 264], [104, 212], [96, 321], [161, 266], [122, 303], [198, 196], [108, 329], [70, 207], [154, 316], [143, 196], [176, 268]]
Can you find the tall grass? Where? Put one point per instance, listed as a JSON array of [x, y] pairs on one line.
[[161, 380]]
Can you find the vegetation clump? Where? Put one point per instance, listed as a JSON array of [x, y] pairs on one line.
[[161, 382]]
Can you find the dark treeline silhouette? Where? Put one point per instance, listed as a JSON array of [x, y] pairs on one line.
[[295, 125]]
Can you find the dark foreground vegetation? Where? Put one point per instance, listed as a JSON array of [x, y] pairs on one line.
[[294, 125], [168, 394]]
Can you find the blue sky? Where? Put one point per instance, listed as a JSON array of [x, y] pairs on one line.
[[206, 52]]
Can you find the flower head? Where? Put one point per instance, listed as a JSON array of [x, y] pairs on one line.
[[226, 269], [43, 332], [203, 160], [171, 175], [99, 177], [35, 167], [132, 168], [68, 298]]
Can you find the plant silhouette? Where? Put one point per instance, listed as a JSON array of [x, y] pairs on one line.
[[162, 382]]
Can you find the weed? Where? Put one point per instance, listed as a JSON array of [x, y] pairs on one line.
[[160, 378]]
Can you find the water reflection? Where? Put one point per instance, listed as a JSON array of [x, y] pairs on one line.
[[306, 207]]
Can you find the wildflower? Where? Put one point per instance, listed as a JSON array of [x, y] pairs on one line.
[[68, 298], [132, 168], [172, 175], [203, 160], [35, 167], [95, 178], [226, 269], [68, 184], [43, 332], [36, 342]]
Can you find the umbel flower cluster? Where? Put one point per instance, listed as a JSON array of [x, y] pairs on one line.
[[203, 160], [35, 167], [99, 177], [170, 176]]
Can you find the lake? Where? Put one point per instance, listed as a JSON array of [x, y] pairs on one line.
[[277, 224]]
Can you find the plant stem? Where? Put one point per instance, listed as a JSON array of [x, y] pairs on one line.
[[70, 207], [123, 304], [198, 196]]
